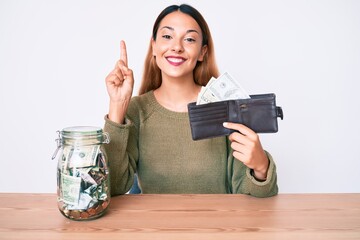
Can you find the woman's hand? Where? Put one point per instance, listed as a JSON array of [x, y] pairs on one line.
[[119, 84], [247, 149]]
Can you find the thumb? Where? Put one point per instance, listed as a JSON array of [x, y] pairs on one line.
[[128, 75], [126, 71]]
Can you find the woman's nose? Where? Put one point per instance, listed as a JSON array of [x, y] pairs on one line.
[[177, 46]]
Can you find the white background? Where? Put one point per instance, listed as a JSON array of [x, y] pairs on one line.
[[55, 55]]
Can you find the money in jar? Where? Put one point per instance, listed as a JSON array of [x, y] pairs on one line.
[[83, 187]]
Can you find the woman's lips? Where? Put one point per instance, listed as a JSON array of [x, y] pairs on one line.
[[175, 61]]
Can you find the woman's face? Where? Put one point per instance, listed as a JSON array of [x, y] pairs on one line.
[[178, 45]]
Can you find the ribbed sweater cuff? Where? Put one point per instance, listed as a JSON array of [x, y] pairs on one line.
[[269, 175], [127, 123]]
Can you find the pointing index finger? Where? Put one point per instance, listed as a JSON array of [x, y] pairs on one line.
[[123, 53]]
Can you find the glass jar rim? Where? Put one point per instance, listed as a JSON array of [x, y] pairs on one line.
[[80, 136], [81, 131]]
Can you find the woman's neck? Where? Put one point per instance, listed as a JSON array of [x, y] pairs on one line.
[[176, 95]]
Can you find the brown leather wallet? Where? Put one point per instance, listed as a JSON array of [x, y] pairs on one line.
[[259, 113]]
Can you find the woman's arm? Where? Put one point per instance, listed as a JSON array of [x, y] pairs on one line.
[[252, 169]]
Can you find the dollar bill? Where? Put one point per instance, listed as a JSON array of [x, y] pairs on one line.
[[70, 189], [205, 94], [223, 88], [84, 156]]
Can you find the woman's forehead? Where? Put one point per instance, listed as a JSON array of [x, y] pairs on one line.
[[179, 21]]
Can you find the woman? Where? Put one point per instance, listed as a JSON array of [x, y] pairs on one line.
[[150, 133]]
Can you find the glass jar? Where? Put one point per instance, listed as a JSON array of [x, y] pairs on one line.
[[83, 184]]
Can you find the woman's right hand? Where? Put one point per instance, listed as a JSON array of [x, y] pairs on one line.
[[119, 84]]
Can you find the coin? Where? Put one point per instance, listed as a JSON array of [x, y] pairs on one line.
[[75, 214], [91, 211], [104, 204], [84, 215]]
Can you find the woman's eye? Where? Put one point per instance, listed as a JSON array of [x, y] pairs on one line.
[[190, 39], [166, 36]]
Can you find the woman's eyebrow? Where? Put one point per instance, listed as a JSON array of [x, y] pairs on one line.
[[188, 31], [192, 30], [170, 28]]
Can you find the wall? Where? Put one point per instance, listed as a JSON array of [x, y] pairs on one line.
[[55, 55]]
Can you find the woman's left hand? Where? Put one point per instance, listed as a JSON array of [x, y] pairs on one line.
[[247, 149]]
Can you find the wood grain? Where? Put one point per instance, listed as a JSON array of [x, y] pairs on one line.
[[286, 216]]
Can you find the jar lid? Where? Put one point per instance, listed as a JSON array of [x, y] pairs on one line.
[[81, 131]]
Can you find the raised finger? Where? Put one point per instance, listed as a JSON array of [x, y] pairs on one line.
[[123, 53]]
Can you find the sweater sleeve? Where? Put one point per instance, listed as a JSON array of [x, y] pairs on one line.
[[242, 182], [122, 155]]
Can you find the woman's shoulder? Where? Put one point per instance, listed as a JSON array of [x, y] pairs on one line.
[[143, 101], [142, 104]]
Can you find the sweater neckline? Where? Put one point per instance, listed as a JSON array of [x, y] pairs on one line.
[[161, 108]]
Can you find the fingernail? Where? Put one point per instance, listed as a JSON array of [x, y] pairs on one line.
[[225, 124]]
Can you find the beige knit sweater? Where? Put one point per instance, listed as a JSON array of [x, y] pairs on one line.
[[156, 143]]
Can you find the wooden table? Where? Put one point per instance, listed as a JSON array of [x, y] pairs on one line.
[[221, 217]]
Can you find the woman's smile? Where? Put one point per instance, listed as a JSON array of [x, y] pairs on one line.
[[175, 61]]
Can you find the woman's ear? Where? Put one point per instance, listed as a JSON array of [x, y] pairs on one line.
[[202, 53]]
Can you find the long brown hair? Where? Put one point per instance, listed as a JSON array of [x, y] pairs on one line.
[[203, 71]]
